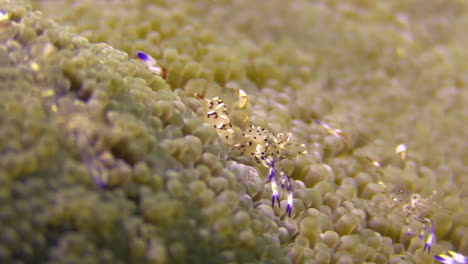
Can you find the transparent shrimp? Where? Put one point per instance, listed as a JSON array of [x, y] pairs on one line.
[[257, 143], [415, 209]]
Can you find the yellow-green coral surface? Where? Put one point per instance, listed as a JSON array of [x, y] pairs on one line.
[[103, 161]]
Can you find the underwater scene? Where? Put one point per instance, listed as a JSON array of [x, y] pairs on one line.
[[216, 131]]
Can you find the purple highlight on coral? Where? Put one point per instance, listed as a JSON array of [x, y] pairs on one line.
[[100, 183], [143, 56], [94, 172]]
